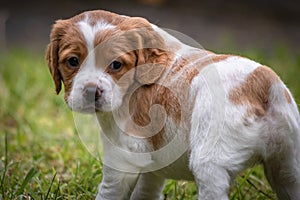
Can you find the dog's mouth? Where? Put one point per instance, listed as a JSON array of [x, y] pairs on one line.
[[91, 104], [86, 108]]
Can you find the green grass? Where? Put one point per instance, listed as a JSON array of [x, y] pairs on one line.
[[42, 157]]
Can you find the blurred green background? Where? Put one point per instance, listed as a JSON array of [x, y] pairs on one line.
[[41, 155]]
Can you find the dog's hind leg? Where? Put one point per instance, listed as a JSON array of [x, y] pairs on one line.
[[283, 172], [282, 159], [284, 177]]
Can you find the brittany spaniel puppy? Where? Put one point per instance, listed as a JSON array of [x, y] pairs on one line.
[[169, 110]]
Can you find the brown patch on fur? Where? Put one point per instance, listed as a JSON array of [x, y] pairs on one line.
[[254, 92], [213, 58], [144, 98], [287, 96], [209, 59], [190, 66], [190, 74]]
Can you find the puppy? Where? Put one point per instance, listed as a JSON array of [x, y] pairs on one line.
[[169, 110]]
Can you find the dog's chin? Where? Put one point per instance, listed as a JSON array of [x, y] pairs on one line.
[[91, 108], [85, 109]]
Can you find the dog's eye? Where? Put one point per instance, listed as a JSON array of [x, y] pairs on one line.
[[73, 62], [115, 65]]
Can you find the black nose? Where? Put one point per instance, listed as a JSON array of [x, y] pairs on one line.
[[92, 92]]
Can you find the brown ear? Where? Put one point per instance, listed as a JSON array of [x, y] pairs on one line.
[[149, 48], [151, 64], [152, 57], [52, 56], [52, 60]]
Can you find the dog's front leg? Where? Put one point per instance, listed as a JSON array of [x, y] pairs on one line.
[[116, 184], [149, 187]]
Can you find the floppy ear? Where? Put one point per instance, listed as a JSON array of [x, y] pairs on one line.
[[52, 54], [52, 60], [151, 64], [149, 48], [152, 58]]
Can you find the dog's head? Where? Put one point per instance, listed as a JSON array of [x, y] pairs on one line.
[[99, 55]]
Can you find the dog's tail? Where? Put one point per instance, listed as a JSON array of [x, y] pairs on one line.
[[282, 163]]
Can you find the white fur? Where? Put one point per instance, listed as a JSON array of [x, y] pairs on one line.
[[220, 145], [89, 31]]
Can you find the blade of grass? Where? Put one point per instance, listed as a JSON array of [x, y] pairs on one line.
[[57, 190], [259, 190], [49, 189], [5, 165], [32, 172], [238, 194], [175, 189]]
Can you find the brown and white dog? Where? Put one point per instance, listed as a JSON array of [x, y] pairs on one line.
[[175, 111]]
